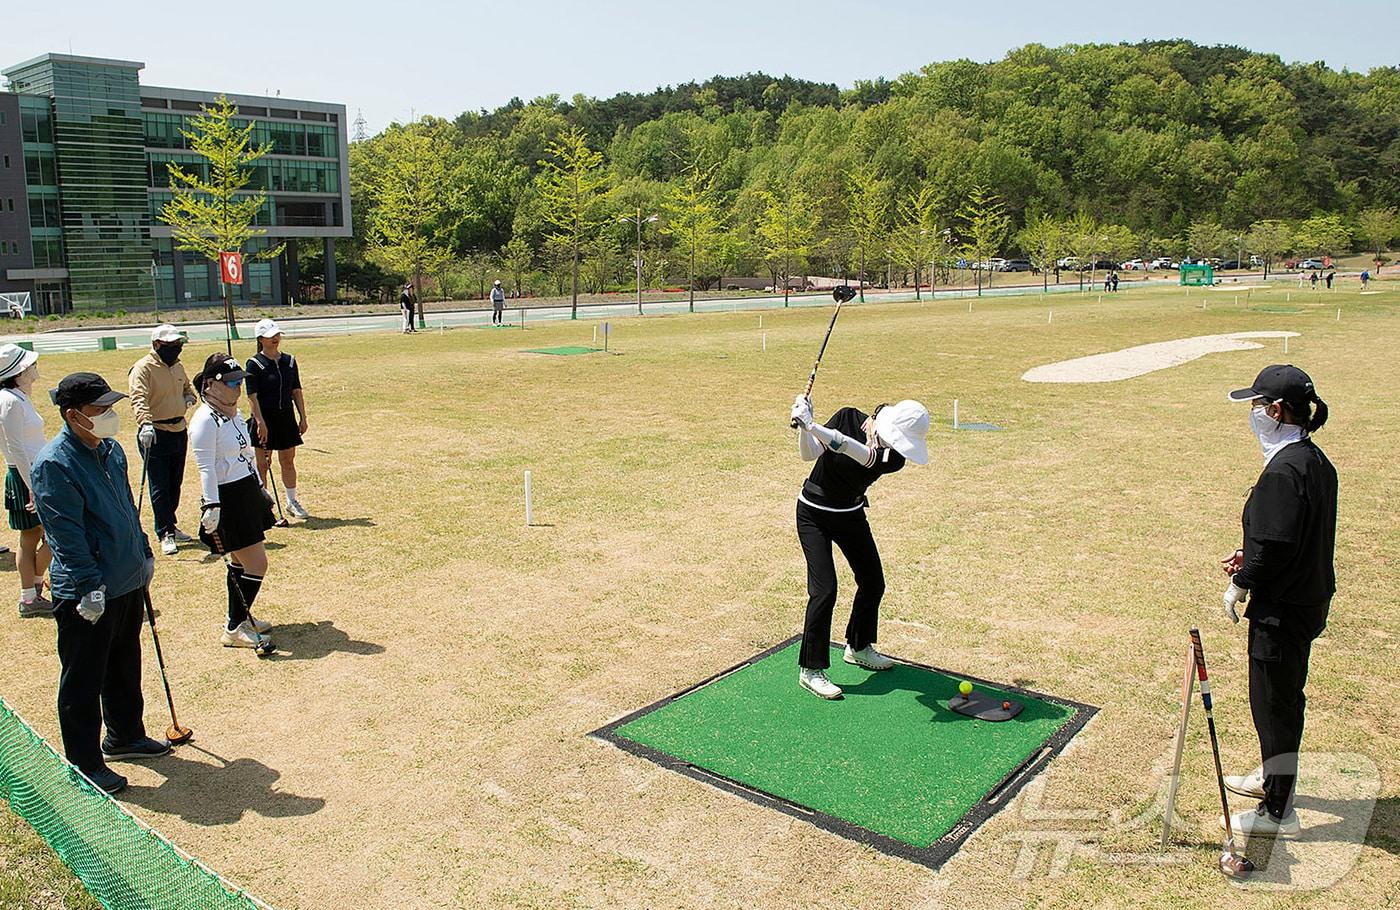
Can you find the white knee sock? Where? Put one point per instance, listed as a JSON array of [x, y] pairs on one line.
[[291, 494]]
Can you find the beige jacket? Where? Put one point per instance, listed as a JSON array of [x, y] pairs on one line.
[[158, 393]]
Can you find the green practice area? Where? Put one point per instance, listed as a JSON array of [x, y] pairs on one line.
[[888, 764]]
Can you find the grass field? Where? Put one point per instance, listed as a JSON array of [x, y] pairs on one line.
[[422, 740]]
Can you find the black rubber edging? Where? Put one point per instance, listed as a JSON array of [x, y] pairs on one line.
[[935, 854]]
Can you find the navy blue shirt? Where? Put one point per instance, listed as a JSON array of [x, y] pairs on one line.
[[839, 482]]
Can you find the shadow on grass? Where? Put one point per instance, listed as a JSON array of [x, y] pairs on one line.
[[320, 524], [314, 640], [209, 795]]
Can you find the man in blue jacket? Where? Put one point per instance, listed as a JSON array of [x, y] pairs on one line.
[[102, 563]]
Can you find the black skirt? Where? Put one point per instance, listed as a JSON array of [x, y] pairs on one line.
[[244, 514], [282, 432], [17, 502]]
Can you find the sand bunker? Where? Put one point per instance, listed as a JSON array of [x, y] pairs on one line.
[[1146, 358]]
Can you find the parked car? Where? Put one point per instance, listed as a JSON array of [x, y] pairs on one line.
[[1308, 265], [1133, 265], [1229, 265], [1102, 265], [1256, 262], [1016, 265], [1069, 263], [1164, 262]]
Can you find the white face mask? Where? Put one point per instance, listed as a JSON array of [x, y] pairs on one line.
[[1272, 434], [105, 425]]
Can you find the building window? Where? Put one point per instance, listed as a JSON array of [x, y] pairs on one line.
[[7, 161]]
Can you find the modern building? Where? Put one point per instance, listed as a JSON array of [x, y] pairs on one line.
[[84, 150]]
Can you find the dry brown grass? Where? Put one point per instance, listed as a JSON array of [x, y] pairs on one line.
[[422, 742]]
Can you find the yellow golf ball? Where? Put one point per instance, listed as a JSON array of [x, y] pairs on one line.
[[965, 688]]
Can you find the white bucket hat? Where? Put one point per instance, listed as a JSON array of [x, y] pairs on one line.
[[904, 426], [15, 360], [166, 332], [266, 328]]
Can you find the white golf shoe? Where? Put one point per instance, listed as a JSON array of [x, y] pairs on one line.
[[815, 681], [244, 636], [1251, 784], [1259, 823], [297, 510], [168, 545], [261, 626], [868, 658]]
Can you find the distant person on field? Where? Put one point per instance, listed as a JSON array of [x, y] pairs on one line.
[[498, 302], [160, 396], [22, 437], [1365, 278], [1331, 274], [278, 410], [102, 564], [406, 304], [1285, 568], [1312, 280], [1114, 278]]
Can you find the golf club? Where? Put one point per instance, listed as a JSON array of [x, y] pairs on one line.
[[841, 294], [281, 521], [176, 733], [1232, 864], [264, 647]]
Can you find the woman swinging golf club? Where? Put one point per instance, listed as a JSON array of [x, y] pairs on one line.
[[236, 508], [851, 451]]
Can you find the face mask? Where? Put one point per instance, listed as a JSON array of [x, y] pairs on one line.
[[1272, 434], [169, 353], [105, 425]]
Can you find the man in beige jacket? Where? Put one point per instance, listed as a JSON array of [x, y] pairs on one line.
[[160, 396]]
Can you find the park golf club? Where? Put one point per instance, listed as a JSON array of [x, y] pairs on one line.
[[842, 294], [1232, 864], [176, 733]]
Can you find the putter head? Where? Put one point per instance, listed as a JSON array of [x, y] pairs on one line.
[[281, 523], [178, 735], [843, 293], [1232, 865], [264, 648]]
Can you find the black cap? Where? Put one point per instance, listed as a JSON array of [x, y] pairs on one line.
[[1279, 382], [220, 367], [79, 389]]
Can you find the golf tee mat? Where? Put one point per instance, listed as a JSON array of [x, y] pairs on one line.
[[886, 765]]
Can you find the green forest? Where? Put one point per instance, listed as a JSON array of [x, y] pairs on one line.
[[1162, 148]]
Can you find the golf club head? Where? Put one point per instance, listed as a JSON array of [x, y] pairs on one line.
[[1232, 865], [178, 735], [281, 523], [265, 648], [843, 293]]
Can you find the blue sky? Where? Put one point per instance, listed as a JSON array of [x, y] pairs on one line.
[[391, 59]]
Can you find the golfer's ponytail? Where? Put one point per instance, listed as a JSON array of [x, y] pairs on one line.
[[1319, 414]]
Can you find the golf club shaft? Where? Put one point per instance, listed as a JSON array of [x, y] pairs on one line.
[[276, 496], [1214, 739], [812, 377], [160, 657]]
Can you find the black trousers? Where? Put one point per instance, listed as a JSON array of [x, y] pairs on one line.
[[497, 310], [1278, 670], [817, 530], [100, 677], [165, 467]]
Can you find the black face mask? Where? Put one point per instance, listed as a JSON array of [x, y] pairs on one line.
[[169, 353]]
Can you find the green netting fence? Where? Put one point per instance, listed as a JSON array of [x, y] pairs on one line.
[[123, 862]]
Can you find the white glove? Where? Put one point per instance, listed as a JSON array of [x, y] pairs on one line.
[[150, 569], [146, 436], [802, 411], [1233, 595], [93, 604], [210, 519], [190, 401]]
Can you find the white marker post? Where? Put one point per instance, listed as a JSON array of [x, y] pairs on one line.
[[529, 506], [760, 320], [765, 342], [1339, 314], [1285, 344], [955, 413], [1049, 317], [595, 334]]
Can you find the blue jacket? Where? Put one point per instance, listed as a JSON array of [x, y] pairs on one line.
[[84, 500]]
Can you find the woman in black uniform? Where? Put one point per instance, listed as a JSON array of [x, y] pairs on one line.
[[1285, 568], [851, 452], [274, 389]]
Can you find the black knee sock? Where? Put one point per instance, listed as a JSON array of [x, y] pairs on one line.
[[250, 584], [237, 612]]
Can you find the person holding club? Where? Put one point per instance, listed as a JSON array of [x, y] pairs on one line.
[[1286, 570], [274, 390], [160, 395], [237, 510], [22, 437], [102, 566], [851, 451]]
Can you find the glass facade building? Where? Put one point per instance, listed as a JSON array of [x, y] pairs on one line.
[[96, 145]]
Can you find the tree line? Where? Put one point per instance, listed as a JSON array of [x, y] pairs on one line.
[[1162, 148]]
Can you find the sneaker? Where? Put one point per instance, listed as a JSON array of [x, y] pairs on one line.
[[1251, 784], [296, 510], [181, 536], [39, 606], [815, 681], [261, 626], [167, 545], [245, 636], [868, 658], [1259, 823], [106, 780], [145, 747]]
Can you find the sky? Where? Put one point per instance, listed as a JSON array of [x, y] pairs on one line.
[[403, 58]]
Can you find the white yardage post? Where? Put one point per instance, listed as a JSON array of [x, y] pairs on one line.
[[765, 342], [529, 506], [955, 413], [1285, 344]]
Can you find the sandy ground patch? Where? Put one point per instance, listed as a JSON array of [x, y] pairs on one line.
[[1146, 358]]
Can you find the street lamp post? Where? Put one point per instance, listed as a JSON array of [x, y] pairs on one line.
[[639, 221], [947, 235]]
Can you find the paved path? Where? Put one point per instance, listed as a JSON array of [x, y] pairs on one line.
[[125, 337]]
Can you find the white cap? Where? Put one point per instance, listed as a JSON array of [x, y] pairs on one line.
[[266, 328], [904, 426], [15, 360], [498, 281], [166, 332]]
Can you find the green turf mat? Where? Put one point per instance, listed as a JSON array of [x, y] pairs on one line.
[[564, 350], [888, 764]]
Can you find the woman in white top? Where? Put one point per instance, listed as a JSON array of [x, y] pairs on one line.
[[22, 436], [236, 508]]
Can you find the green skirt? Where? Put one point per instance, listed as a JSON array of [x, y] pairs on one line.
[[16, 500]]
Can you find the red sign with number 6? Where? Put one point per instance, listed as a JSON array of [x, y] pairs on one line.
[[231, 268]]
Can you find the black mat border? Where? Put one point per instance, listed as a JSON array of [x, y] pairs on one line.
[[935, 854]]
